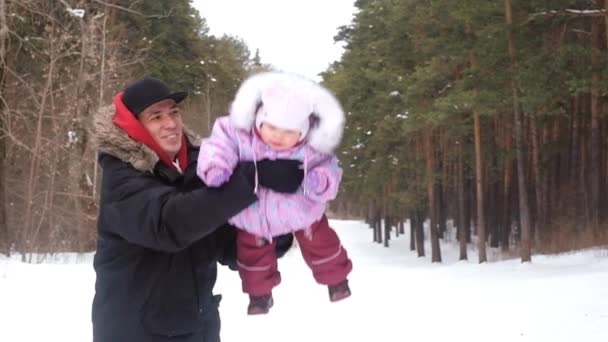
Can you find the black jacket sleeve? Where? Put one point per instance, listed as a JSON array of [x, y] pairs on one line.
[[145, 211], [225, 241]]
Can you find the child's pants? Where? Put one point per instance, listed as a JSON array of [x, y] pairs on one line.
[[320, 247]]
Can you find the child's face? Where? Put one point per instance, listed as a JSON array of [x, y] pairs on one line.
[[278, 138]]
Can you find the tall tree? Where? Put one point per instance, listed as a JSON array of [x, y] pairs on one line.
[[430, 181], [524, 213], [4, 230]]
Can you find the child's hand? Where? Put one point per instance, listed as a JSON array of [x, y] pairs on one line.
[[316, 182], [217, 176]]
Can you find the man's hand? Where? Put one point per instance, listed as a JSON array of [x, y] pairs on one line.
[[246, 170], [281, 175]]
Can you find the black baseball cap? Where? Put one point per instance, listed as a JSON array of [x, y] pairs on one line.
[[146, 92]]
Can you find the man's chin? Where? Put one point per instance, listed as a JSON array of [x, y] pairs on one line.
[[172, 150]]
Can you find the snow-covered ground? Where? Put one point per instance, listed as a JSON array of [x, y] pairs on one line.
[[396, 297]]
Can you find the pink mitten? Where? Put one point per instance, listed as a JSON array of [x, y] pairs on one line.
[[216, 176], [316, 182]]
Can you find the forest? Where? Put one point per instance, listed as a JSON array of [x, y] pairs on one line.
[[486, 119]]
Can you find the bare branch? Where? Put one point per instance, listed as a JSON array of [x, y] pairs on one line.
[[17, 142], [25, 83], [50, 18]]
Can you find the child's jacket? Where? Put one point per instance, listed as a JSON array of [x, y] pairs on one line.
[[275, 213]]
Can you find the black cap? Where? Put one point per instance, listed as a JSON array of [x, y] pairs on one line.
[[146, 92]]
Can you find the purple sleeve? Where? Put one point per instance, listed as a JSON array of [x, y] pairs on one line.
[[218, 153], [323, 180]]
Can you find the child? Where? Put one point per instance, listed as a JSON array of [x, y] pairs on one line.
[[282, 116]]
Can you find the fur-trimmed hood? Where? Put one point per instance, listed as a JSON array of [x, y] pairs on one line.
[[328, 117], [110, 139]]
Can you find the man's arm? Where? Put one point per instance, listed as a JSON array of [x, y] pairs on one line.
[[146, 212]]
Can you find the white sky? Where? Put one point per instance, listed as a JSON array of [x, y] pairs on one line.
[[292, 35]]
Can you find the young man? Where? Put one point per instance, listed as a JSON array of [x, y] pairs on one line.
[[161, 231]]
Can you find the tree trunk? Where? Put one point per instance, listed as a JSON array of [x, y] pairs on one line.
[[5, 240], [76, 150], [412, 234], [494, 212], [553, 164], [419, 224], [468, 207], [430, 186], [583, 179], [494, 196], [462, 237], [574, 139], [525, 248], [595, 143], [605, 20], [481, 228], [574, 180], [537, 179], [440, 188], [397, 228], [443, 211], [376, 225], [387, 230], [102, 75], [506, 192]]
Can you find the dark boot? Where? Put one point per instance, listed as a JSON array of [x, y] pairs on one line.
[[339, 291], [259, 304]]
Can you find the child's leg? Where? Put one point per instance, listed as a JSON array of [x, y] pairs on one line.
[[323, 253], [257, 264]]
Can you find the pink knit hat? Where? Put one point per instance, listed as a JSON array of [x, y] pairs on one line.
[[285, 106]]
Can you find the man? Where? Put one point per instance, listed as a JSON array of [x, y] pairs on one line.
[[161, 231]]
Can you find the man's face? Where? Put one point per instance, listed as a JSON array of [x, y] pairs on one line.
[[164, 122]]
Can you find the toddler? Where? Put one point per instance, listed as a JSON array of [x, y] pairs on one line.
[[282, 116]]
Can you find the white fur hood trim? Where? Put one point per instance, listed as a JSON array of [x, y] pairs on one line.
[[324, 136]]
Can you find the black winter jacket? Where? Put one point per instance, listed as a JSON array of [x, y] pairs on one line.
[[160, 236]]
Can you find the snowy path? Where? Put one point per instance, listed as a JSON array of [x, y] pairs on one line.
[[396, 297]]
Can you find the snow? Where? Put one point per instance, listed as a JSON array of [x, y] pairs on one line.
[[76, 12], [396, 297], [72, 138], [576, 11]]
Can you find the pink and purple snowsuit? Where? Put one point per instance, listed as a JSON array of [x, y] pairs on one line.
[[302, 212]]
